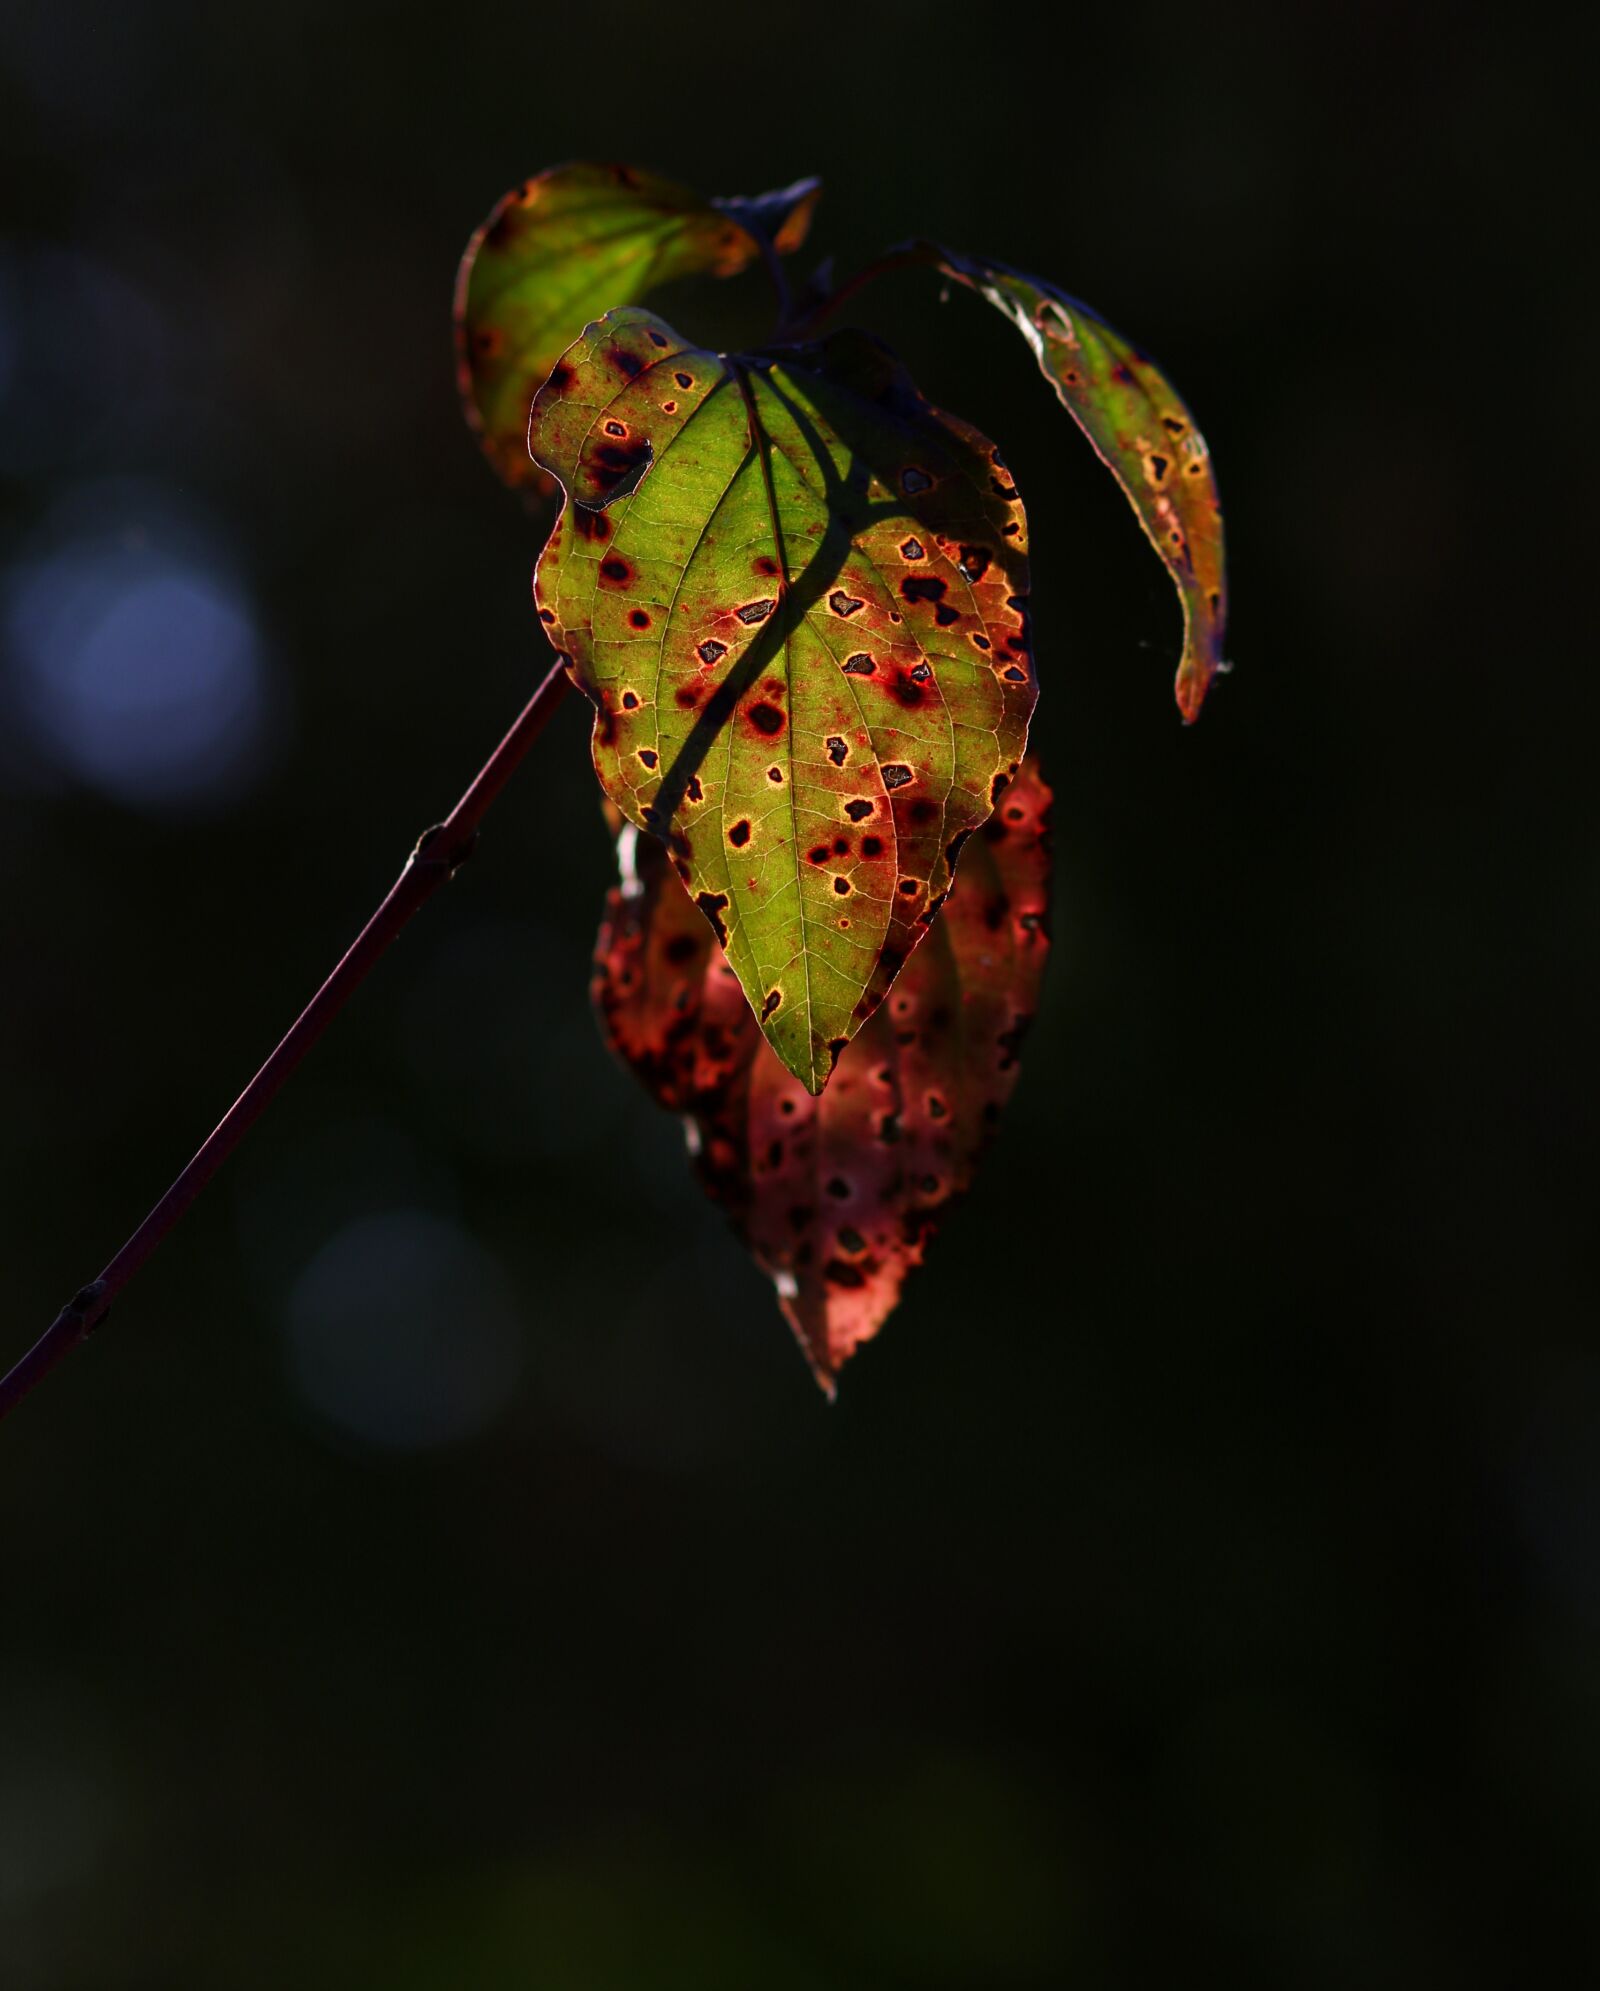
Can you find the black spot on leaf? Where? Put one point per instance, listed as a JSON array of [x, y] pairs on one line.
[[619, 458], [711, 904]]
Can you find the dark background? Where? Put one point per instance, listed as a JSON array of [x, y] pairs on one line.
[[441, 1571]]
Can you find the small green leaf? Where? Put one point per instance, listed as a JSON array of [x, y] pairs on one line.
[[795, 593], [562, 248], [1141, 431]]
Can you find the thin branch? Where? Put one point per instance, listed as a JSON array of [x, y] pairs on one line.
[[440, 852]]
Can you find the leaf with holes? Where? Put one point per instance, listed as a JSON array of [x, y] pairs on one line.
[[1141, 431], [795, 592], [838, 1197], [562, 248]]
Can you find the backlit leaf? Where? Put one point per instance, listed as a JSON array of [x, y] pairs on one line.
[[839, 1196], [1142, 432], [560, 249], [795, 593]]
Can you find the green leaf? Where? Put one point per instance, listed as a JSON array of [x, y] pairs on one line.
[[838, 1197], [562, 248], [795, 593], [1141, 431]]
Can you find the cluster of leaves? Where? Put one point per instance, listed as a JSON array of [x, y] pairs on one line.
[[796, 594]]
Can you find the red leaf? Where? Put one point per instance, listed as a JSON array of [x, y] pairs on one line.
[[837, 1195]]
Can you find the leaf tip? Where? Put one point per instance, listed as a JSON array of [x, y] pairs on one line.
[[811, 1062], [1196, 675]]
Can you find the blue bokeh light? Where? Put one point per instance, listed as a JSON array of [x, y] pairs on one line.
[[403, 1331], [134, 664]]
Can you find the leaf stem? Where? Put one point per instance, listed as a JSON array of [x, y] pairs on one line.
[[778, 275], [820, 312], [440, 852]]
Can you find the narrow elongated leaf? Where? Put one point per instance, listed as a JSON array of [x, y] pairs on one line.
[[838, 1197], [796, 594], [562, 248], [1143, 433]]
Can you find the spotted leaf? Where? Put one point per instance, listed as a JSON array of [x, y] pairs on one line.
[[1141, 431], [562, 248], [837, 1196], [796, 594]]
